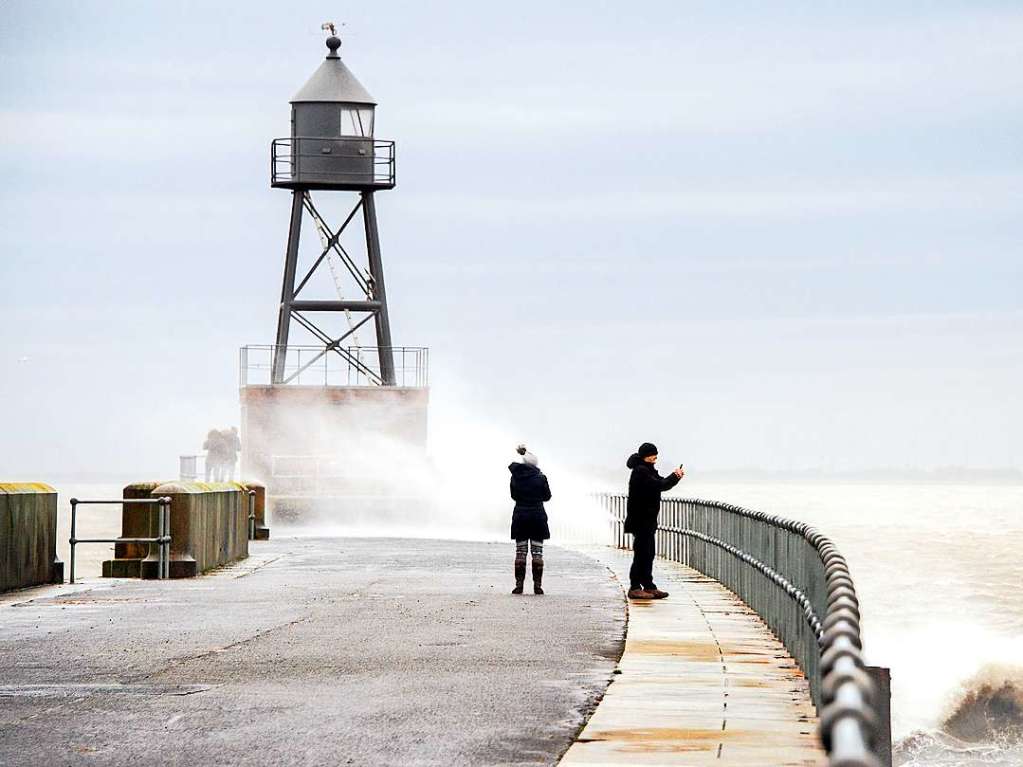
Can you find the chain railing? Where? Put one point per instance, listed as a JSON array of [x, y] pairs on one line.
[[794, 577]]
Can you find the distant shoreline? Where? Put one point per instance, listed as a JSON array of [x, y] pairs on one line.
[[949, 476], [944, 476]]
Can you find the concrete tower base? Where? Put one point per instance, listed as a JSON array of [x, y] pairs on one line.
[[345, 444]]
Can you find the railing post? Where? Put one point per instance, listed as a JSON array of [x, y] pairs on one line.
[[161, 528], [163, 565], [71, 540], [252, 515]]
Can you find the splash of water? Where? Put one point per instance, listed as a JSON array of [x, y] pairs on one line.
[[933, 748], [369, 477], [989, 707], [982, 725]]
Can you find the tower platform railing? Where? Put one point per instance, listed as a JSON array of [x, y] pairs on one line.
[[344, 162], [333, 366], [796, 580]]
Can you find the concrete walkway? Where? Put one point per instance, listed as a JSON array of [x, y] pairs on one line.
[[702, 682], [312, 652]]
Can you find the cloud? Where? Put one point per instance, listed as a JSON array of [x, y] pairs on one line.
[[752, 198], [925, 71], [86, 134]]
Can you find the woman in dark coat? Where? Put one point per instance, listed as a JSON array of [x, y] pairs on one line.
[[529, 490]]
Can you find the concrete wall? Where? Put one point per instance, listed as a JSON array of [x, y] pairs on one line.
[[28, 535], [209, 527]]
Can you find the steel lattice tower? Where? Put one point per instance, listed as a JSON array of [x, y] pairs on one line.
[[332, 148]]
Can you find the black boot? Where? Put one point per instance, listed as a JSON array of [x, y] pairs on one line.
[[537, 575], [520, 573]]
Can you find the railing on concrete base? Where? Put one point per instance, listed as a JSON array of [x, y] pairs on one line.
[[797, 581], [333, 365], [161, 541]]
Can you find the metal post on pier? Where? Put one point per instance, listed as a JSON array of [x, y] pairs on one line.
[[165, 538], [72, 541]]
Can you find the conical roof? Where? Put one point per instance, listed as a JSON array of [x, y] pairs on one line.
[[333, 81]]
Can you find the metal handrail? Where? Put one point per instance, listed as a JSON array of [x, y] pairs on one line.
[[794, 577], [188, 467], [286, 162], [252, 515], [162, 540], [333, 365]]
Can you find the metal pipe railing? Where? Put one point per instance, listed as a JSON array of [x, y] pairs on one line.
[[252, 515], [333, 365], [162, 539], [287, 155], [794, 577]]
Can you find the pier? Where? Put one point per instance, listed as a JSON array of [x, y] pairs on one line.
[[311, 652], [390, 651]]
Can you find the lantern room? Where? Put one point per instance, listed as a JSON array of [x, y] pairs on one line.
[[332, 144]]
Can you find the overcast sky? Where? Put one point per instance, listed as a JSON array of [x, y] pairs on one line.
[[782, 235]]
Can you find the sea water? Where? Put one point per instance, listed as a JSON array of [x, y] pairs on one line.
[[939, 573]]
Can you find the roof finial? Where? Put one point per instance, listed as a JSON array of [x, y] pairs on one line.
[[333, 42]]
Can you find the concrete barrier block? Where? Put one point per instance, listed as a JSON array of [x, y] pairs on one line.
[[28, 535], [208, 526], [136, 522]]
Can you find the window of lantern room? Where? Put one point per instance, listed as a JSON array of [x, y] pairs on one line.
[[357, 121]]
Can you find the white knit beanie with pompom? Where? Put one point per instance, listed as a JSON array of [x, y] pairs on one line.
[[527, 457]]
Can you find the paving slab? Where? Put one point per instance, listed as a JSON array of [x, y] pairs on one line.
[[703, 681], [313, 652]]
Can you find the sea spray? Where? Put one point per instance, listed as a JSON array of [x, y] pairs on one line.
[[356, 475], [990, 707], [982, 725]]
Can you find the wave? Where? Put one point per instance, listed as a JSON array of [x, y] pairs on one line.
[[983, 725], [934, 748], [989, 707]]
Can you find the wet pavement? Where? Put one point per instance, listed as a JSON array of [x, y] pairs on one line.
[[312, 652], [703, 682]]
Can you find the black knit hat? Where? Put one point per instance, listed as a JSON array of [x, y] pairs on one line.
[[647, 449]]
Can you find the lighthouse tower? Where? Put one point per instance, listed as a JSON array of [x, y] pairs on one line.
[[332, 149], [325, 395]]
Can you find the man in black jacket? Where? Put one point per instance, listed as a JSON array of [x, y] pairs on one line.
[[645, 488]]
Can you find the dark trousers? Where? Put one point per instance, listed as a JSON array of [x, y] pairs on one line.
[[641, 574]]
